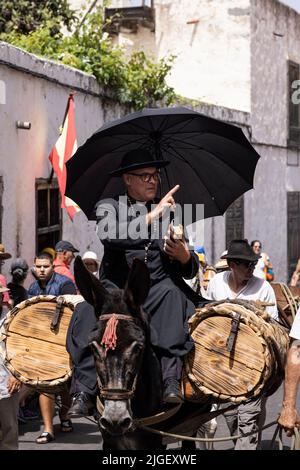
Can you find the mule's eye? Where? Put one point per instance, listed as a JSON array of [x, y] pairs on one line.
[[138, 347]]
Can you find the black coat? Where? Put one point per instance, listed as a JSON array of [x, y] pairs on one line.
[[170, 301]]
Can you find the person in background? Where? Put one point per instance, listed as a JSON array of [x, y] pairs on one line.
[[295, 280], [263, 268], [197, 281], [222, 264], [50, 283], [7, 302], [9, 397], [91, 262], [64, 257], [18, 270]]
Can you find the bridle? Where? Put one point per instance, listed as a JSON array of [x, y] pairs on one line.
[[117, 394]]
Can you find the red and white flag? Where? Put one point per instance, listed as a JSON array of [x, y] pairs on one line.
[[62, 151]]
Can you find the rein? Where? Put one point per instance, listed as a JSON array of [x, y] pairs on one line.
[[149, 420], [109, 341]]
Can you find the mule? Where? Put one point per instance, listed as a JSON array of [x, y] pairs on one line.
[[128, 370]]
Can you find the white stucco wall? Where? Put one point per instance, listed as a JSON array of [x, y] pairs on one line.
[[24, 154], [275, 40], [266, 210], [211, 40]]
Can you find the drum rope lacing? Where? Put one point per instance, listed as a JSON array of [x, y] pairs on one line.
[[293, 301]]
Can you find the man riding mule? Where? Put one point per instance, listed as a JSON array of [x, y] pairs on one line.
[[132, 227]]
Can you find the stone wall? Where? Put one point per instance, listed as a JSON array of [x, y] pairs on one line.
[[37, 91], [211, 40]]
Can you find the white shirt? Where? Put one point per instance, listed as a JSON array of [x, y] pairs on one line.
[[255, 289], [295, 330], [259, 270]]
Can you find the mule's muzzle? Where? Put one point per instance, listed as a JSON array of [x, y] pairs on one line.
[[116, 428], [116, 419]]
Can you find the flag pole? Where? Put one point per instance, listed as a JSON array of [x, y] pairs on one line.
[[62, 151], [61, 128]]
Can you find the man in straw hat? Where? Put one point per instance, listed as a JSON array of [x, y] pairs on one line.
[[239, 283], [170, 301]]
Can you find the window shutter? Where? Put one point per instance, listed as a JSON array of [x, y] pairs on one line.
[[294, 109], [235, 220], [293, 230], [48, 214]]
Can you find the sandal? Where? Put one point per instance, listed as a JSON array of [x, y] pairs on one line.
[[66, 425], [44, 438]]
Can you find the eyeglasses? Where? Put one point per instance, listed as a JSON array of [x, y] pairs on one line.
[[146, 177], [248, 264]]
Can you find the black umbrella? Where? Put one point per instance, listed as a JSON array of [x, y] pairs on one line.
[[213, 162]]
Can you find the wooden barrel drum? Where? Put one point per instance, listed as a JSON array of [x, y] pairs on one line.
[[35, 335], [239, 353], [288, 302]]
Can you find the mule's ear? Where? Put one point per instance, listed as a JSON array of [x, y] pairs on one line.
[[138, 284], [89, 286]]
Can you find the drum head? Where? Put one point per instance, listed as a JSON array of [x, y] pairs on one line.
[[232, 374], [34, 353]]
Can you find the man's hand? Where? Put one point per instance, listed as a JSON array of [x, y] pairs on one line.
[[289, 419], [13, 385], [176, 247], [165, 203]]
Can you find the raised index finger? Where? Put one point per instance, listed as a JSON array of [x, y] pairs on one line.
[[173, 190]]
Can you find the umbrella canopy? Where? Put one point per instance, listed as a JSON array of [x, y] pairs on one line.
[[213, 162]]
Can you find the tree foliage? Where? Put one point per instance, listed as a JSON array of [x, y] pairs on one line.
[[24, 16], [137, 79]]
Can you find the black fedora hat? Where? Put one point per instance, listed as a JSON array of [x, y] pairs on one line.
[[240, 249], [138, 158]]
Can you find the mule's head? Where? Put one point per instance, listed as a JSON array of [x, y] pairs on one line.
[[118, 342]]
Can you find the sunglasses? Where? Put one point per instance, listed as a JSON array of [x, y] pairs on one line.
[[146, 177], [248, 264]]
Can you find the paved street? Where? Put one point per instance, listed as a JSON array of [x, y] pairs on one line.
[[87, 437]]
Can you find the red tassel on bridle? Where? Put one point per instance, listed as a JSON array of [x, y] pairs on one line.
[[109, 338]]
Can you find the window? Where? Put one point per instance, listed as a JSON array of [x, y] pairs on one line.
[[294, 105], [235, 221], [48, 214], [293, 230], [129, 14]]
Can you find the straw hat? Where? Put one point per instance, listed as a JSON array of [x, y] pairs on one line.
[[222, 263], [3, 254]]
